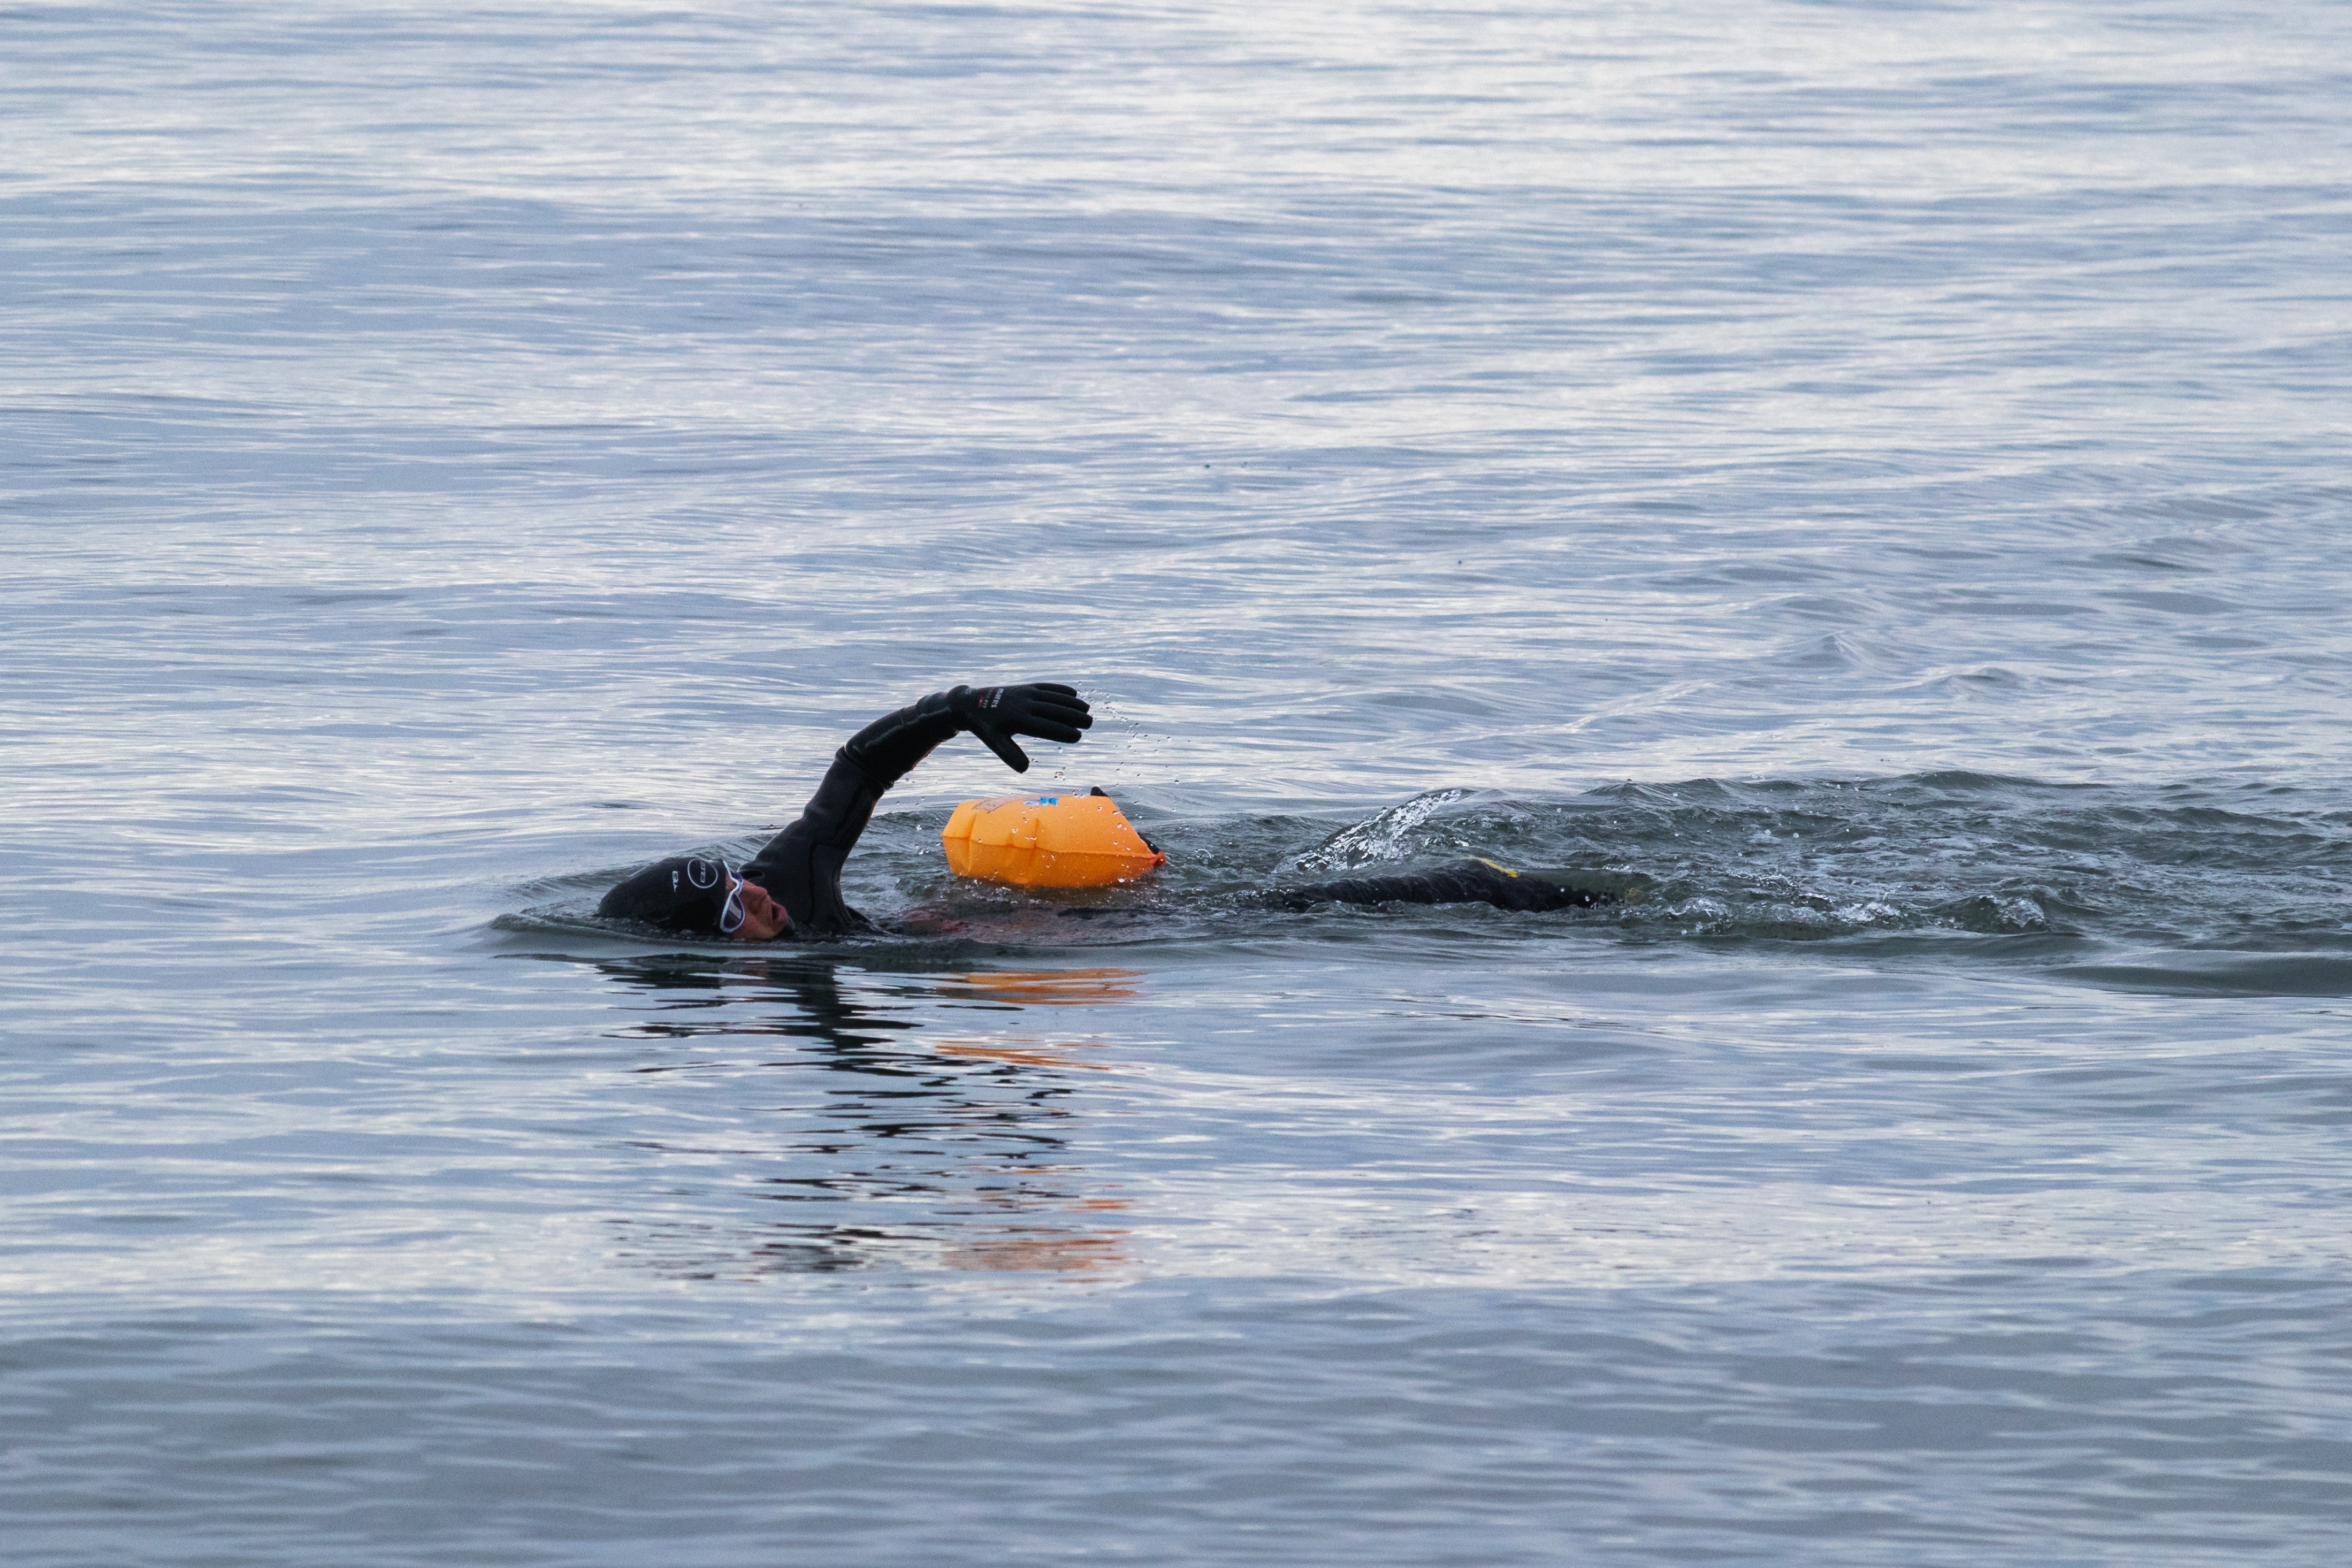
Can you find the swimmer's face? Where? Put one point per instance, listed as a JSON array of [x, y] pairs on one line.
[[764, 919]]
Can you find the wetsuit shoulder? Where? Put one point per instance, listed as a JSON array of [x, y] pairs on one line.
[[801, 867]]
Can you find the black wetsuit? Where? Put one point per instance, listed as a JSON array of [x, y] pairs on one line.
[[1470, 881], [801, 867]]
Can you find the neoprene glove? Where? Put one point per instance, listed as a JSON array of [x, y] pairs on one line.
[[1042, 708]]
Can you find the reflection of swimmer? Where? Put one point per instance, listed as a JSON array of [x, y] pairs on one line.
[[895, 1142], [792, 889]]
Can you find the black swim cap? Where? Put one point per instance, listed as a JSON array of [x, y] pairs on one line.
[[681, 894]]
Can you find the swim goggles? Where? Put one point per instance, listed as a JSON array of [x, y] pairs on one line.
[[730, 913]]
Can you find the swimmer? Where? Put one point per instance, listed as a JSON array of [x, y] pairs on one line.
[[792, 889]]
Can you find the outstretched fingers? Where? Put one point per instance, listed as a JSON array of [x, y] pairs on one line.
[[1050, 711], [1055, 711], [1000, 742]]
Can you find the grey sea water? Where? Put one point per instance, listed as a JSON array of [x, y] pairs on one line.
[[1878, 469]]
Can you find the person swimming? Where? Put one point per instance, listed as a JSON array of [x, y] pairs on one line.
[[791, 888]]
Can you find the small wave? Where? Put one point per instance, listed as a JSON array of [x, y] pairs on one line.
[[1386, 837], [2226, 975]]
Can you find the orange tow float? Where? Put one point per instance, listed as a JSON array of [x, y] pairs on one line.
[[1047, 841]]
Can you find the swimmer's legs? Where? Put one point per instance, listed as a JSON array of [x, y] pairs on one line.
[[1473, 881]]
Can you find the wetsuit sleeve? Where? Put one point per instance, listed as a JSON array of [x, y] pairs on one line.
[[1469, 882], [801, 867]]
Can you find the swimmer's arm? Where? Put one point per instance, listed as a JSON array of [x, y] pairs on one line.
[[801, 866], [888, 750]]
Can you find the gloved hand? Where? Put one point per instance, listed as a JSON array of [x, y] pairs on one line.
[[1042, 708]]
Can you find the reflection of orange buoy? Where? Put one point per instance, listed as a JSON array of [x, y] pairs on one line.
[[1047, 841], [1053, 988]]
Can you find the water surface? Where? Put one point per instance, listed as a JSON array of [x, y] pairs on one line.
[[1877, 470]]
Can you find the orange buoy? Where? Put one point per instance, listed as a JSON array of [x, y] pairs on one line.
[[1047, 841]]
